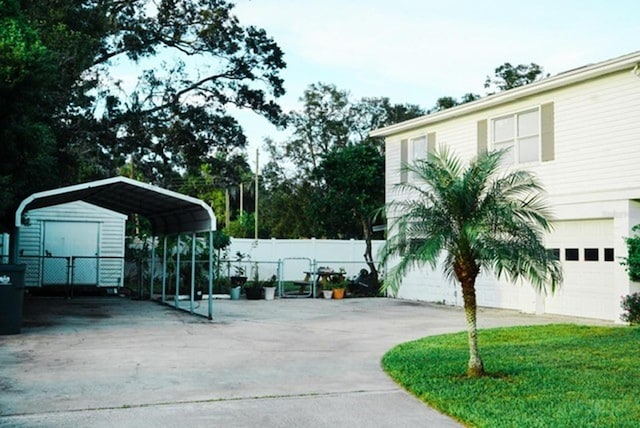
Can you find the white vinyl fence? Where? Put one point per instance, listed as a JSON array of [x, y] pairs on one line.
[[296, 256]]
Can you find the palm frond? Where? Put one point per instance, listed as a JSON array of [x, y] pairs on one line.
[[476, 216]]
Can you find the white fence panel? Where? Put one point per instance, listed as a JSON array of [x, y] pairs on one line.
[[347, 254]]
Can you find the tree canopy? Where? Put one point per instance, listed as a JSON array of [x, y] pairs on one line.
[[323, 157], [66, 117], [507, 76]]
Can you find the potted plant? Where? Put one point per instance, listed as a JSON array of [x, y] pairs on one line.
[[336, 283], [253, 289], [269, 288], [339, 288], [327, 292], [239, 277], [224, 286]]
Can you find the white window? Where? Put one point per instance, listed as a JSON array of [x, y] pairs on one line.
[[520, 133], [418, 148], [417, 152]]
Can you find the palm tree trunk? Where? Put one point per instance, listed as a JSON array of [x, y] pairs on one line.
[[476, 368]]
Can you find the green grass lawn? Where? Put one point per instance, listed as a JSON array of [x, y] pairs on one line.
[[539, 376]]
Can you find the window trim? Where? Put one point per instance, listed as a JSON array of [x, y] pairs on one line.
[[412, 146], [514, 114], [411, 152]]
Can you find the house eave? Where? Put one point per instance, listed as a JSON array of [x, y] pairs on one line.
[[567, 78]]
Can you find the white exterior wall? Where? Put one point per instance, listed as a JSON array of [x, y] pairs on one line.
[[594, 176], [111, 232]]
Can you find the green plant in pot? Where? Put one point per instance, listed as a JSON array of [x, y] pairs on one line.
[[239, 277], [339, 288], [269, 287], [253, 289]]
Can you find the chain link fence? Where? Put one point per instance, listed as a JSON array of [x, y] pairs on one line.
[[73, 271], [287, 274]]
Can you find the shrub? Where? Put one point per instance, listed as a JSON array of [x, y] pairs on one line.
[[631, 306], [632, 262]]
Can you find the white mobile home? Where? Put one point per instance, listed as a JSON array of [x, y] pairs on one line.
[[73, 243], [579, 132]]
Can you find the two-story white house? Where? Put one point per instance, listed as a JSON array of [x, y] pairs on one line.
[[579, 132]]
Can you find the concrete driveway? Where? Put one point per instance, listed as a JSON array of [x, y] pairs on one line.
[[104, 362]]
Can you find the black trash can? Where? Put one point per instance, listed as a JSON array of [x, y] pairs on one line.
[[11, 298]]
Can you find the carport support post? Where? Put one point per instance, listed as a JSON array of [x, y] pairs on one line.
[[164, 270], [211, 274], [14, 245], [153, 266], [193, 269], [177, 296]]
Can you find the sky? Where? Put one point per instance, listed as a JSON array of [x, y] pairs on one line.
[[415, 51]]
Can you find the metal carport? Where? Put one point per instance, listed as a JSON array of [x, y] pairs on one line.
[[168, 212]]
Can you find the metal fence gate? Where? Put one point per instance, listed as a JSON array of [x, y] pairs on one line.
[[73, 270]]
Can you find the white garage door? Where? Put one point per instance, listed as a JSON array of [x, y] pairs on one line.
[[585, 248]]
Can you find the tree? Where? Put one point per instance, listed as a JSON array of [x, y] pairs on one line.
[[480, 221], [27, 147], [222, 172], [444, 103], [323, 123], [505, 77], [83, 123], [242, 227], [330, 119], [287, 211], [508, 76], [370, 113], [354, 184], [328, 123]]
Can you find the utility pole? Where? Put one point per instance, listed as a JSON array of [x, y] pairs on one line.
[[227, 207], [256, 216]]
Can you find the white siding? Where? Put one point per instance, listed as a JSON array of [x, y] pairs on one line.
[[31, 245], [597, 135], [594, 175], [597, 138], [111, 271]]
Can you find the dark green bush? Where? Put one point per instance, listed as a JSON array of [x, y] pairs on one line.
[[632, 261], [631, 306]]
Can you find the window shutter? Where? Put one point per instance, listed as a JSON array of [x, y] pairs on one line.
[[431, 142], [404, 157], [547, 137], [482, 136]]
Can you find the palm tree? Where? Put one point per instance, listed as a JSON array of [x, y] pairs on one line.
[[479, 221]]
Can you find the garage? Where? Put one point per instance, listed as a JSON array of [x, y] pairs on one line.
[[586, 250]]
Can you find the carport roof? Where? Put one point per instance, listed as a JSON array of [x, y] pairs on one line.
[[169, 212]]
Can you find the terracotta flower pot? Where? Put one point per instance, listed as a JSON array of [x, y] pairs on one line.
[[338, 293]]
